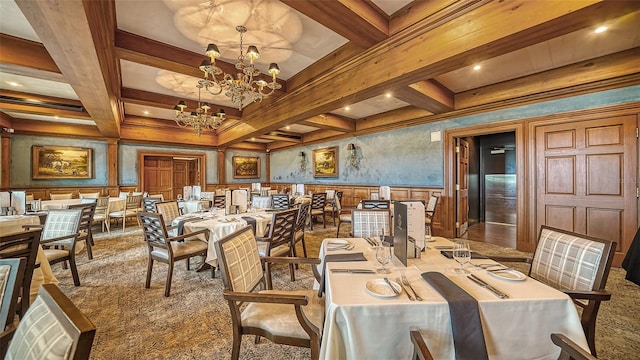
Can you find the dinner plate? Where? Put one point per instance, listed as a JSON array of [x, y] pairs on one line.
[[508, 274], [338, 244], [380, 288]]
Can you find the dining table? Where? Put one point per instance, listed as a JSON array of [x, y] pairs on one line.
[[42, 274], [115, 203], [192, 206], [220, 225], [362, 322]]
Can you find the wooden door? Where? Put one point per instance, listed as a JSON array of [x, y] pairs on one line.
[[587, 178], [462, 186], [157, 176], [180, 176]]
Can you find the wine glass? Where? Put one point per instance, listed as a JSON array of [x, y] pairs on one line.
[[461, 254], [383, 255], [427, 233], [381, 236]]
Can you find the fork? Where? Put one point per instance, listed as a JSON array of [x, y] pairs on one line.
[[406, 282]]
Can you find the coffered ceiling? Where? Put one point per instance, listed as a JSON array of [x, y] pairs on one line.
[[115, 69]]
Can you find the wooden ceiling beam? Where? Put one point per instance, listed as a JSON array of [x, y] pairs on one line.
[[26, 53], [331, 122], [361, 22], [602, 68], [40, 98], [136, 132], [65, 30], [147, 98], [44, 111], [429, 95], [6, 120], [418, 11], [488, 31], [281, 138], [57, 129], [246, 145]]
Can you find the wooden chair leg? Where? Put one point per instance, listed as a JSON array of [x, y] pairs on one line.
[[88, 244], [167, 286], [74, 270], [147, 284]]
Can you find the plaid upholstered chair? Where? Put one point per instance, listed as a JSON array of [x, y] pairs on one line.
[[11, 274], [169, 211], [369, 222], [286, 317], [59, 235], [23, 245], [575, 264], [52, 328], [261, 202]]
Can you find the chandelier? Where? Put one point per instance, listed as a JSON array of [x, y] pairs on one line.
[[247, 86], [201, 119]]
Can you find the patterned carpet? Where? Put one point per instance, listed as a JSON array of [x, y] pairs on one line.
[[194, 323]]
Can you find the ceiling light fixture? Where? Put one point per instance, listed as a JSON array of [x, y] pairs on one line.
[[201, 119], [477, 67], [600, 29], [246, 86]]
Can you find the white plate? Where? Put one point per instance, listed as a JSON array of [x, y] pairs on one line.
[[380, 288], [510, 274], [338, 244]]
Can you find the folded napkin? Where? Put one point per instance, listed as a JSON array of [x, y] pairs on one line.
[[468, 338], [337, 258], [474, 255], [251, 221]]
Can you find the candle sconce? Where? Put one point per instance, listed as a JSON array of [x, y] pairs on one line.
[[353, 155], [303, 161]]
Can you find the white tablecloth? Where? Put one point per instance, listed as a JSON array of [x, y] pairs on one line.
[[42, 274], [115, 204], [361, 326], [220, 225], [192, 206]]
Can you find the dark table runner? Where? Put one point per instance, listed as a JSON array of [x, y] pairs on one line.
[[182, 222], [468, 338], [251, 221], [474, 255], [337, 258]]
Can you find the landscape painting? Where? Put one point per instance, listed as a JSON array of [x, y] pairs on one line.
[[246, 167], [55, 162], [325, 162]]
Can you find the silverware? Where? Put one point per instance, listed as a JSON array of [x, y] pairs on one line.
[[485, 285], [406, 282], [370, 241], [353, 271], [405, 289], [391, 286], [350, 247]]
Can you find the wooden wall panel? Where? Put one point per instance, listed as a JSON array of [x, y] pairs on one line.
[[562, 217]]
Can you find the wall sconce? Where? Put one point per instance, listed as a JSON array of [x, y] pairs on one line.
[[303, 161], [353, 155]]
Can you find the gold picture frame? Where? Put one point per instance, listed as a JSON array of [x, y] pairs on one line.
[[325, 162], [246, 167], [58, 162]]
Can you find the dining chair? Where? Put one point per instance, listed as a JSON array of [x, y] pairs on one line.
[[169, 211], [280, 237], [23, 245], [219, 201], [86, 221], [301, 222], [318, 202], [53, 327], [430, 209], [569, 350], [93, 195], [376, 204], [261, 202], [101, 213], [131, 208], [575, 264], [334, 205], [169, 249], [370, 222], [292, 317], [66, 196], [420, 349], [11, 274], [59, 235], [149, 203], [280, 201]]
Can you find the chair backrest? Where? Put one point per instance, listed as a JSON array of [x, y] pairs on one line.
[[384, 192], [53, 327], [369, 222], [261, 202], [168, 209], [282, 228], [330, 193], [23, 245], [303, 214], [86, 218], [239, 261], [375, 204], [62, 222], [61, 196], [209, 195], [280, 201], [374, 195], [155, 232], [123, 194], [11, 274], [430, 209], [149, 204], [240, 198], [219, 201], [264, 191], [318, 201], [133, 202], [102, 204], [94, 195]]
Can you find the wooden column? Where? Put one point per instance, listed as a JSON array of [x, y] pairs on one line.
[[5, 177], [112, 162], [268, 165], [222, 178]]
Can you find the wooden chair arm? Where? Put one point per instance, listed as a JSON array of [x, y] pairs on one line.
[[420, 349], [191, 234], [5, 338], [570, 348], [598, 295], [291, 260], [32, 226], [70, 236], [300, 300], [522, 259]]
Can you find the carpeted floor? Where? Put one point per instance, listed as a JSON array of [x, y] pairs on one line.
[[193, 323]]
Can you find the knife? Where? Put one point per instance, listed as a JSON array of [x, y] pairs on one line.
[[483, 284], [353, 271]]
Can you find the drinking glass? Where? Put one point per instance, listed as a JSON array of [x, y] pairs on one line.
[[381, 235], [383, 255], [427, 233], [461, 254]]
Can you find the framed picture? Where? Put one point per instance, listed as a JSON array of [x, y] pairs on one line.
[[56, 162], [246, 167], [325, 162]]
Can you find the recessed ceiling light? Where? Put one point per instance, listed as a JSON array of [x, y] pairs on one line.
[[146, 112], [601, 29], [477, 67], [13, 83], [388, 95], [253, 139], [347, 108], [288, 127]]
